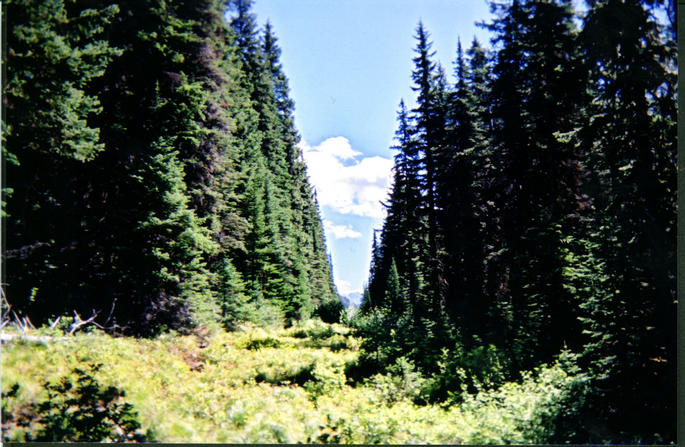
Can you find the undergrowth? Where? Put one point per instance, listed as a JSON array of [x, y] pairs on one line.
[[278, 385]]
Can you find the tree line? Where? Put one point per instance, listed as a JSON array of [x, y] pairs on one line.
[[151, 168], [533, 212]]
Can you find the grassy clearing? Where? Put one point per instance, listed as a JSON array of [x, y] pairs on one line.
[[258, 386]]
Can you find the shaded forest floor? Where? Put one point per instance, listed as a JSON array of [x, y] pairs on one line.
[[264, 386]]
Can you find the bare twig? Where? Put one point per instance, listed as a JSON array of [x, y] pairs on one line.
[[54, 323], [79, 322], [19, 322], [111, 311], [5, 306], [27, 323]]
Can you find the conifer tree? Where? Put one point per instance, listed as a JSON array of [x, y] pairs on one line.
[[269, 137], [429, 123], [404, 230], [55, 55], [632, 325], [158, 129], [537, 189], [462, 258]]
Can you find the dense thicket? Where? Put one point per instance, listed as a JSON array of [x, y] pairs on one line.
[[151, 167], [533, 212]]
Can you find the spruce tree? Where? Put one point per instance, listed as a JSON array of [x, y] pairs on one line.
[[55, 54], [536, 194], [429, 119], [458, 203], [632, 326]]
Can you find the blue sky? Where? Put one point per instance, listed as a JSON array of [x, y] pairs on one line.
[[349, 63]]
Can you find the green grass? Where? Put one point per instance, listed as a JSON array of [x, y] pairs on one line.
[[259, 386]]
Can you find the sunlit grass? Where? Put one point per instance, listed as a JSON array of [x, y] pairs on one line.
[[263, 386]]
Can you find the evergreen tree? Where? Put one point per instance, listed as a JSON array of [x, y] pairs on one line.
[[544, 218], [462, 258], [632, 324], [427, 124], [159, 130], [153, 108], [404, 230], [55, 54], [537, 189], [269, 137]]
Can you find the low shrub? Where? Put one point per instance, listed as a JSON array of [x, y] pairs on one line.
[[312, 329], [77, 409], [330, 311], [259, 343], [539, 409], [291, 393], [327, 378], [18, 419], [295, 375], [401, 382]]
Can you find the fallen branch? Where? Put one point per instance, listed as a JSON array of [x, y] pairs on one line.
[[4, 338], [79, 322]]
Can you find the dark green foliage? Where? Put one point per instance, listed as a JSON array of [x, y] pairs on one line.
[[287, 265], [330, 311], [466, 371], [299, 376], [536, 194], [82, 410], [259, 343], [533, 212], [54, 55], [631, 323], [18, 422], [317, 332], [152, 168]]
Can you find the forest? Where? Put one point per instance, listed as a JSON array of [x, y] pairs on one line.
[[159, 227]]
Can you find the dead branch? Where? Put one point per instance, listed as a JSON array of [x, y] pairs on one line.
[[54, 323], [27, 323], [79, 322], [111, 311], [5, 308], [23, 323]]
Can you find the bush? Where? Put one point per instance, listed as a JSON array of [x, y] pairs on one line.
[[18, 419], [401, 382], [540, 409], [85, 411], [259, 343], [462, 371], [313, 329], [294, 375], [330, 311], [326, 379]]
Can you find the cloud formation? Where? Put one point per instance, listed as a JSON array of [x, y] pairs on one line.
[[341, 231], [344, 183], [345, 288]]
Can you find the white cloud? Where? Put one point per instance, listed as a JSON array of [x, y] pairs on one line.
[[341, 231], [345, 288], [339, 147], [355, 187]]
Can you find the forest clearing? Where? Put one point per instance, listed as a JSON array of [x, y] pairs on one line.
[[259, 385], [519, 284]]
